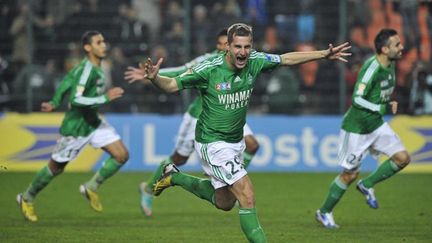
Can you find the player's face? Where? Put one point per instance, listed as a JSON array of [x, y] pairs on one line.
[[395, 48], [98, 46], [222, 43], [239, 50]]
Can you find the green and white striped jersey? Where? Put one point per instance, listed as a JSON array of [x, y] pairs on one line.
[[194, 108], [87, 87], [225, 94], [372, 93]]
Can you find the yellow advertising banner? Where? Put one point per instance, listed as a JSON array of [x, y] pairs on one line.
[[27, 141], [416, 134]]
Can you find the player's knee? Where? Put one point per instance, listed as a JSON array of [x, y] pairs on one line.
[[347, 177], [179, 159], [402, 159], [56, 168], [122, 157], [225, 204]]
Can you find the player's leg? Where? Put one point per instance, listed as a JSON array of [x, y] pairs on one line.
[[201, 187], [67, 148], [351, 150], [183, 149], [104, 137], [244, 193], [390, 144]]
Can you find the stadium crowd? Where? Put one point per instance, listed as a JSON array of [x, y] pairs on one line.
[[39, 44]]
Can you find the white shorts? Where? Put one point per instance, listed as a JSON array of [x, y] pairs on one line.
[[354, 147], [186, 135], [68, 148], [222, 161]]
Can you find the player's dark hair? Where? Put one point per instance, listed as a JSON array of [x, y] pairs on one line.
[[239, 29], [382, 39], [223, 32], [87, 36]]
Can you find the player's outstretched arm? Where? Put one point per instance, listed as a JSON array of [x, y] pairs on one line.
[[149, 71], [337, 53]]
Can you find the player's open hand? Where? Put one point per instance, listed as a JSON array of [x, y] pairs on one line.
[[115, 93], [394, 106], [339, 52], [146, 70], [47, 107], [134, 74]]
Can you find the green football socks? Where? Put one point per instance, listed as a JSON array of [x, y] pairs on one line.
[[109, 168], [40, 181], [202, 188], [247, 158], [156, 175], [337, 189], [384, 171], [250, 225]]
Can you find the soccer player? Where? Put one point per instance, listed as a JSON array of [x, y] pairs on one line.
[[364, 130], [225, 84], [81, 125], [186, 133]]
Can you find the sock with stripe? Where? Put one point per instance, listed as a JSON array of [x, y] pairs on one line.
[[337, 189], [108, 169], [250, 225], [40, 181], [202, 188], [384, 171]]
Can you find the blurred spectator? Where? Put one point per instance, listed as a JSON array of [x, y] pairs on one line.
[[271, 42], [149, 14], [73, 57], [19, 30], [201, 29], [408, 10], [421, 90]]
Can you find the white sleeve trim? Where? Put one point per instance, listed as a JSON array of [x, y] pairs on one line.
[[86, 73], [90, 101], [366, 104]]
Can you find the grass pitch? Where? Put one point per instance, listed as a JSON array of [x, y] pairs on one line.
[[286, 203]]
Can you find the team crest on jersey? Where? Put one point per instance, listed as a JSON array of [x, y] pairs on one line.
[[223, 86], [273, 58], [361, 88], [79, 90]]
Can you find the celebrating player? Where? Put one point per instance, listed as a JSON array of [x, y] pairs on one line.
[[186, 133], [225, 84], [364, 130]]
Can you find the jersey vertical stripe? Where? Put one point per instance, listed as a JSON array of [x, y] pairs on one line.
[[370, 71], [86, 73]]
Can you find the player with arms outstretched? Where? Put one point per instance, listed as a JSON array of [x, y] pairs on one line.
[[225, 84], [186, 133]]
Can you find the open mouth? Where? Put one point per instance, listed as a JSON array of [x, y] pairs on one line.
[[241, 60]]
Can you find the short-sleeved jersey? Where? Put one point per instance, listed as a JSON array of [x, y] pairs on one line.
[[372, 93], [225, 94], [194, 108], [87, 86]]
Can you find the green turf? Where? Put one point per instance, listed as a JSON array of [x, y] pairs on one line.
[[286, 204]]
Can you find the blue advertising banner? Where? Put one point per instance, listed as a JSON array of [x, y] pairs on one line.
[[287, 143]]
